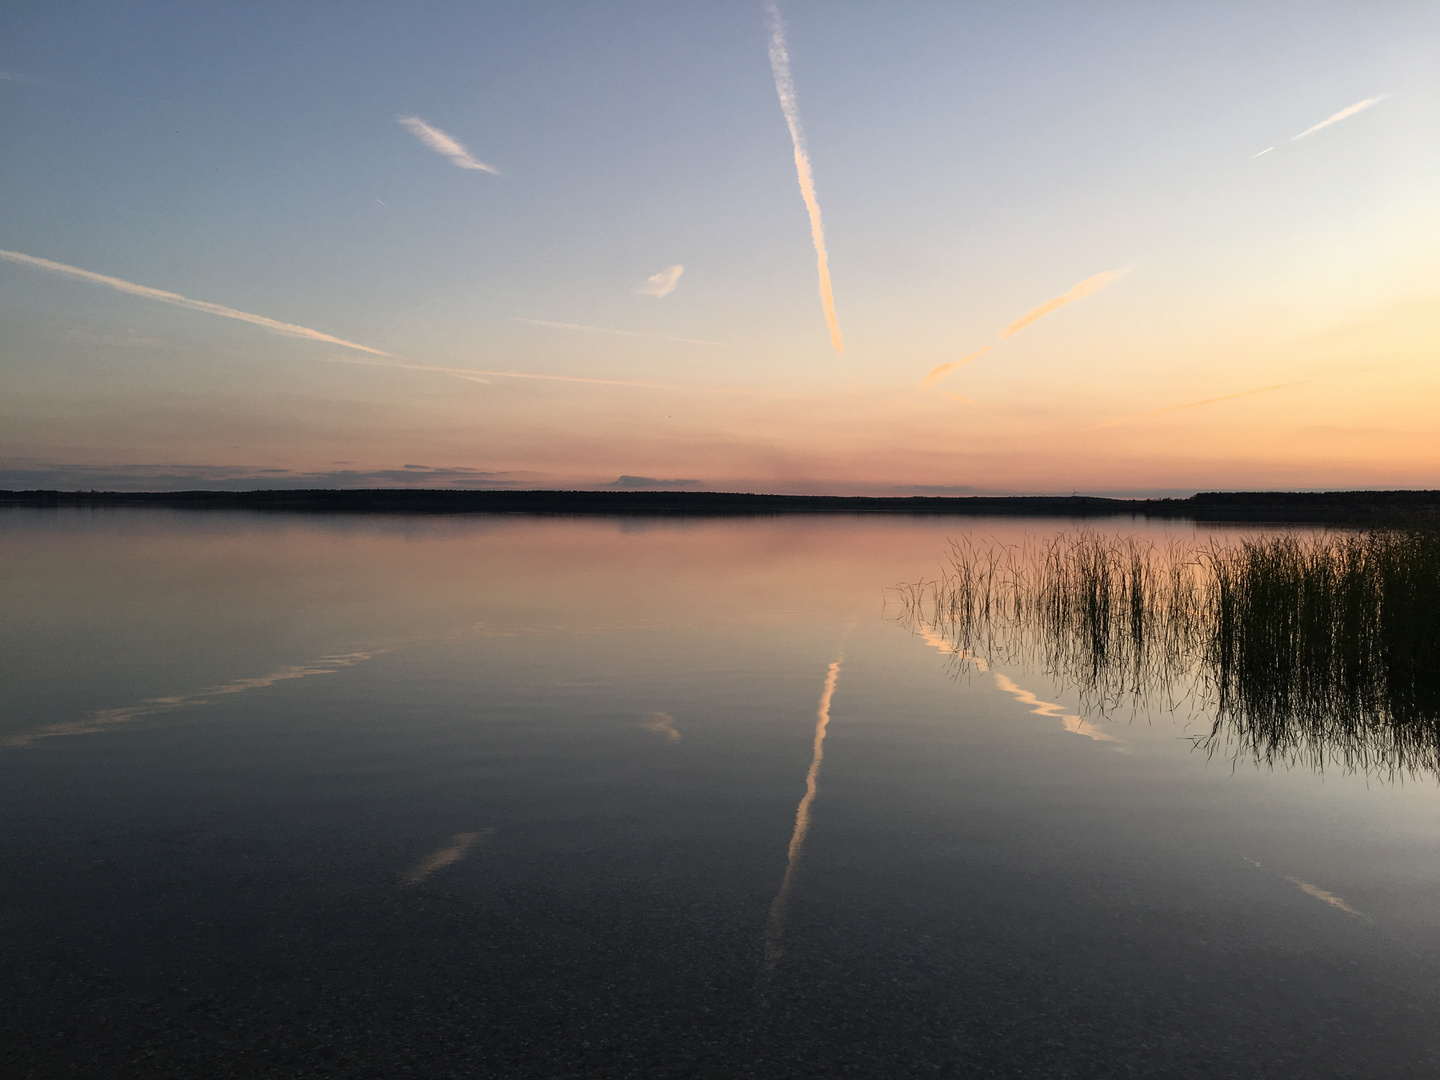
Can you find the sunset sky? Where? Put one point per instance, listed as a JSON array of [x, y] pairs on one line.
[[1108, 248]]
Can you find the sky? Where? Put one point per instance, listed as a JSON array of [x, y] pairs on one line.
[[847, 248]]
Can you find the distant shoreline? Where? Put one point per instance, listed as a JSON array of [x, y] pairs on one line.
[[1331, 507]]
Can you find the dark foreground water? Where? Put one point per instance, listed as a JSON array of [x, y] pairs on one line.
[[427, 797]]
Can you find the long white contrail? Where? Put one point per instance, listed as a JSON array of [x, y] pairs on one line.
[[484, 375], [1343, 114], [1088, 287], [288, 329], [785, 87], [487, 375]]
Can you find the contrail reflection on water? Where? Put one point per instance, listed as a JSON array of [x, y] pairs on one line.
[[459, 846], [1324, 896], [1073, 723], [106, 719], [662, 724], [775, 925]]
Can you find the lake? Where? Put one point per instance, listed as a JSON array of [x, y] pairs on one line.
[[514, 796]]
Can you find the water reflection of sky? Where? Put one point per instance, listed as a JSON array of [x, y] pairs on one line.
[[568, 793]]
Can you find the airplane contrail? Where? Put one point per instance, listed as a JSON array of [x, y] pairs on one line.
[[288, 329], [1343, 114], [389, 359], [1197, 404], [486, 375], [785, 88], [1088, 287], [936, 374]]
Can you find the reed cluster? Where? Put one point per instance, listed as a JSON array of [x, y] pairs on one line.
[[1303, 648]]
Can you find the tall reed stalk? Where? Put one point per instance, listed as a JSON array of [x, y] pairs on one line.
[[1307, 649]]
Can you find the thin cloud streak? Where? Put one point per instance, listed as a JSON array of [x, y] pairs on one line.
[[287, 329], [479, 374], [1343, 114], [1197, 404], [1262, 153], [444, 144], [485, 375], [1089, 287], [936, 374], [785, 88], [663, 283], [621, 333]]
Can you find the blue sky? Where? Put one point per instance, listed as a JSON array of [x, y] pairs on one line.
[[971, 162]]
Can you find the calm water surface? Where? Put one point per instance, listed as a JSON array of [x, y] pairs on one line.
[[512, 797]]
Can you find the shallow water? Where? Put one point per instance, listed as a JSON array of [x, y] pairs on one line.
[[504, 796]]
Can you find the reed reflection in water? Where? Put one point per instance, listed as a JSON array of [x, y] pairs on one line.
[[1314, 650]]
